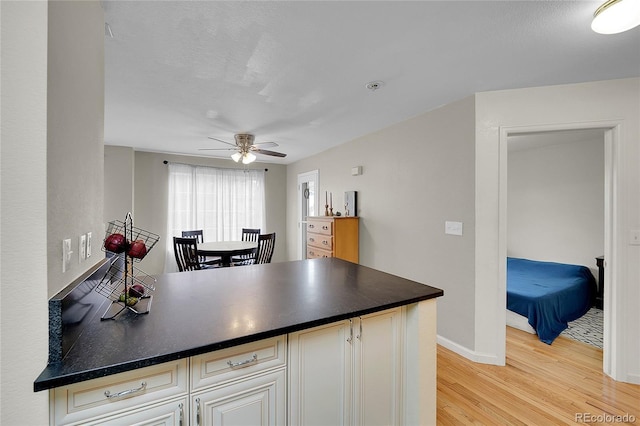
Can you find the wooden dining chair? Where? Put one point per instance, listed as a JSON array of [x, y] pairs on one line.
[[248, 234], [266, 244], [185, 250], [198, 235]]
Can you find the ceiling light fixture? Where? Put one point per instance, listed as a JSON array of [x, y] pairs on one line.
[[246, 157], [616, 16], [237, 156]]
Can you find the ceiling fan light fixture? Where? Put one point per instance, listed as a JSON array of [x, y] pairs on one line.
[[237, 156], [616, 16], [248, 158]]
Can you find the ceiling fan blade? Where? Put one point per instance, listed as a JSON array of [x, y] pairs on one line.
[[266, 152], [265, 145], [220, 140], [217, 149]]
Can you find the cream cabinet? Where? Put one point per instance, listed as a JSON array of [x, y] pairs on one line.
[[108, 400], [242, 385], [349, 372], [376, 369], [171, 413], [256, 400], [333, 236], [245, 384]]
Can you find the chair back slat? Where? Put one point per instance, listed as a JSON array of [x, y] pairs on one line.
[[185, 250], [248, 234], [266, 244], [194, 234]]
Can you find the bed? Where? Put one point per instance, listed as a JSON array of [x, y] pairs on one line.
[[548, 294]]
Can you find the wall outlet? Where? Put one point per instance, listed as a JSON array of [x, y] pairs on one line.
[[82, 247], [88, 244], [453, 228], [66, 254]]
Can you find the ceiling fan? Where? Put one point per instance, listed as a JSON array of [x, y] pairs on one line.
[[246, 149]]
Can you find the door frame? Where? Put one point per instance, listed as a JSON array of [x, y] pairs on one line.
[[310, 176], [612, 328]]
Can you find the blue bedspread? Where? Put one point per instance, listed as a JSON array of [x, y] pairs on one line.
[[549, 294]]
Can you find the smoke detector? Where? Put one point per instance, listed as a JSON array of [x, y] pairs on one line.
[[374, 85]]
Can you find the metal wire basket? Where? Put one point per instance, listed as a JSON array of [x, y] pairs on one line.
[[130, 236], [125, 285]]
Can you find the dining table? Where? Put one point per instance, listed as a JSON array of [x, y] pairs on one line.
[[226, 249]]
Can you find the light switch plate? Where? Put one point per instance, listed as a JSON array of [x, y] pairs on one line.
[[88, 244], [82, 247], [453, 228], [66, 254]]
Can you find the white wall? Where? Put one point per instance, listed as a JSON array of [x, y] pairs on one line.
[[23, 207], [75, 132], [118, 182], [555, 196], [416, 175], [597, 104], [37, 37], [151, 192]]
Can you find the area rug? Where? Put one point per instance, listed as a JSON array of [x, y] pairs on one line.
[[587, 329]]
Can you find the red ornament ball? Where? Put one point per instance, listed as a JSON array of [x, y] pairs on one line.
[[137, 249], [115, 243]]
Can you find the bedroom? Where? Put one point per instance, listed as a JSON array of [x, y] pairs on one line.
[[556, 214]]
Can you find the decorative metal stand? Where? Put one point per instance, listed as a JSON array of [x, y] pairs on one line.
[[125, 285]]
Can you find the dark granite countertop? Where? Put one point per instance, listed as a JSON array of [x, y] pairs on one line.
[[203, 311]]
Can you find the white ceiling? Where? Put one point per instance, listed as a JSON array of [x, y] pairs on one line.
[[294, 72]]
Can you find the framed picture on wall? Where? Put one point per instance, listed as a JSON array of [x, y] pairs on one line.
[[351, 203]]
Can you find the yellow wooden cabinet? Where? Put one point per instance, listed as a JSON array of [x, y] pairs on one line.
[[333, 236]]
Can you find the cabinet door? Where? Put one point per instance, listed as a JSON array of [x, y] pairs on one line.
[[172, 413], [256, 401], [378, 361], [320, 375]]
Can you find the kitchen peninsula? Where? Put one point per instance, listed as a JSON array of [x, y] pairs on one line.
[[283, 343]]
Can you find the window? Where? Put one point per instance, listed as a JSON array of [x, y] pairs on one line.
[[219, 201]]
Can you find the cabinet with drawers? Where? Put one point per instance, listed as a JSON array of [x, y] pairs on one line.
[[333, 236], [243, 384]]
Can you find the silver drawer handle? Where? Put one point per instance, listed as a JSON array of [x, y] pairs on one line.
[[311, 239], [143, 385], [245, 363], [325, 227], [325, 242], [311, 226]]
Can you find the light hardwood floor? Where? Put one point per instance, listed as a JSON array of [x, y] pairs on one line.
[[540, 385]]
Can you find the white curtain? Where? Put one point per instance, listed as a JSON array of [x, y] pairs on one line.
[[219, 201]]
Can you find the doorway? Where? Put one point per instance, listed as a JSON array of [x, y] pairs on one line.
[[307, 206], [555, 211], [611, 157]]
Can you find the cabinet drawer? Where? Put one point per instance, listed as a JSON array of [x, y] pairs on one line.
[[324, 227], [113, 394], [321, 241], [220, 367], [314, 253]]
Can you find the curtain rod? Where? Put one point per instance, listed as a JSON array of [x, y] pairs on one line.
[[186, 164]]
